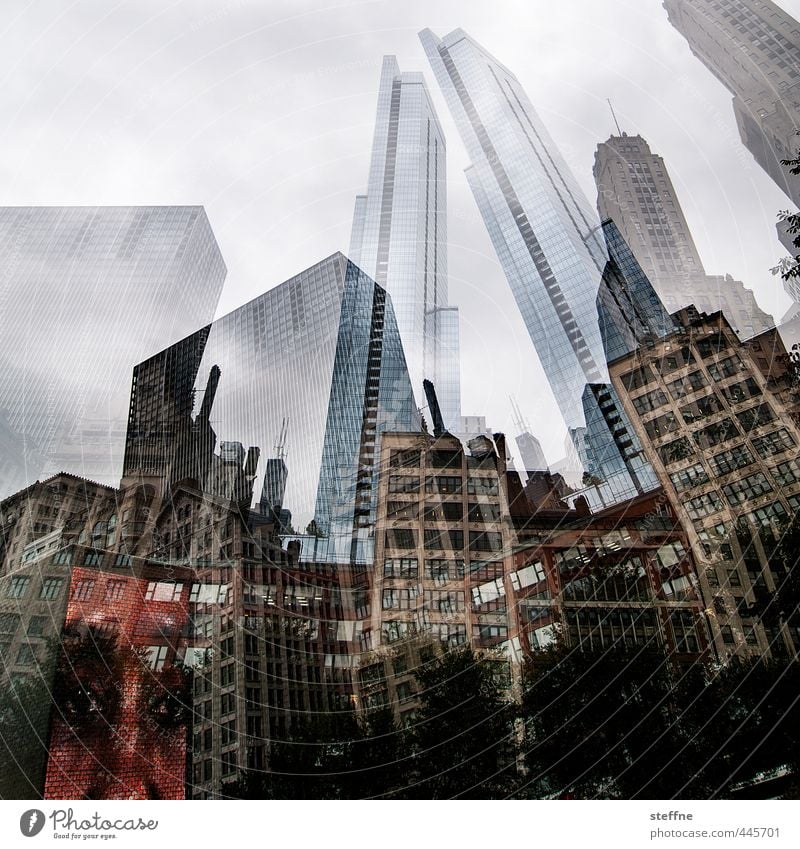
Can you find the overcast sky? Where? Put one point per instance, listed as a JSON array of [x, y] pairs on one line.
[[262, 111]]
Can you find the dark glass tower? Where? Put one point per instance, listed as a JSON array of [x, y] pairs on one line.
[[321, 351]]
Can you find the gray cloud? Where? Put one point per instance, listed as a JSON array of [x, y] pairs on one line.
[[262, 111]]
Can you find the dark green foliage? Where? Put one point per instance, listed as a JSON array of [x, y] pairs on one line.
[[330, 756], [628, 725], [462, 736]]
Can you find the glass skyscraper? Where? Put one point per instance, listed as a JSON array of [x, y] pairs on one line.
[[399, 234], [85, 293], [543, 229], [315, 365]]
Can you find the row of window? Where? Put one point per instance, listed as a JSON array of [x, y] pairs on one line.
[[443, 485]]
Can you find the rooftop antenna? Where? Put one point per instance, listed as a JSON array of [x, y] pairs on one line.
[[280, 448], [614, 115]]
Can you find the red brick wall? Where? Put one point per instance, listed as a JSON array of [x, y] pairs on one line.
[[127, 751]]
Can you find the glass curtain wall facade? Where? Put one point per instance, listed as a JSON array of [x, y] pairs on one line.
[[541, 225], [315, 363], [399, 234], [85, 293]]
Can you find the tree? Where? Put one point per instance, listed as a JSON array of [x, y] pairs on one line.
[[331, 755], [627, 724], [598, 723], [463, 732], [789, 267]]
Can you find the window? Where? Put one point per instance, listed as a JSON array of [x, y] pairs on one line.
[[725, 368], [485, 541], [447, 511], [787, 473], [403, 483], [661, 426], [93, 558], [163, 591], [675, 451], [445, 459], [227, 675], [229, 762], [443, 484], [711, 344], [51, 587], [484, 513], [391, 631], [689, 477], [404, 458], [675, 359], [400, 567], [738, 392], [399, 598], [448, 540], [404, 692], [482, 486], [123, 560], [401, 510], [703, 505], [17, 586], [83, 589], [773, 443], [444, 570], [37, 625], [670, 554], [442, 601], [734, 458], [714, 434], [637, 378], [115, 590], [756, 416], [750, 487], [684, 385], [702, 408], [26, 656], [768, 514], [157, 657], [400, 538], [9, 623], [488, 635], [649, 401]]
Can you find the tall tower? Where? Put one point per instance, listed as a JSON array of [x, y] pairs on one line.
[[86, 292], [543, 229], [321, 350], [753, 48], [530, 449], [634, 189], [399, 234]]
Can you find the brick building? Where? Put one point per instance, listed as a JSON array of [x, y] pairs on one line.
[[718, 423]]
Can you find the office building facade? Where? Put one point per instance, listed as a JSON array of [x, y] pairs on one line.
[[634, 189], [321, 351], [722, 437], [753, 48], [73, 281], [542, 228], [399, 234]]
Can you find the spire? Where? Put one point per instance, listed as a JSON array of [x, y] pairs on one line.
[[614, 115]]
